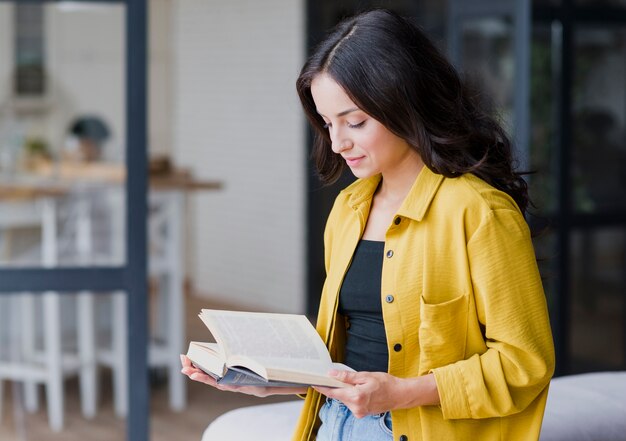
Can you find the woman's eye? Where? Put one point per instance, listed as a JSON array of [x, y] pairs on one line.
[[357, 125]]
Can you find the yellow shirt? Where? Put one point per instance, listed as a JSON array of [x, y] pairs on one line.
[[468, 305]]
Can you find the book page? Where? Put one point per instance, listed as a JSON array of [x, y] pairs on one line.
[[264, 335], [207, 357], [303, 366]]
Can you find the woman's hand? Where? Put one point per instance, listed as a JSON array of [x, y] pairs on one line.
[[370, 393], [198, 375]]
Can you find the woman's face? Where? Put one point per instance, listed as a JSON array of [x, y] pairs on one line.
[[366, 145]]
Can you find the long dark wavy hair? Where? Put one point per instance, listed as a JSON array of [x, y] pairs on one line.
[[394, 73]]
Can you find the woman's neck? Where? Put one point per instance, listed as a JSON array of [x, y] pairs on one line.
[[397, 183], [389, 196]]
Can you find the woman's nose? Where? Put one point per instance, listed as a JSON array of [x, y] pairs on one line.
[[339, 144], [340, 147]]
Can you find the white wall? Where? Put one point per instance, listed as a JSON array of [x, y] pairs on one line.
[[86, 62], [6, 50], [160, 61], [237, 119], [222, 102], [84, 56]]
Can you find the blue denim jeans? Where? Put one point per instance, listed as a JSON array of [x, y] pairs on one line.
[[338, 424]]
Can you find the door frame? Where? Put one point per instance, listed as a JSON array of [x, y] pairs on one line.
[[131, 277]]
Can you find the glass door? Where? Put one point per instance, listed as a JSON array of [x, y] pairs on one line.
[[73, 186], [598, 183], [578, 149]]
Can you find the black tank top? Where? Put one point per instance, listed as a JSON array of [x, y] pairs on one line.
[[360, 302]]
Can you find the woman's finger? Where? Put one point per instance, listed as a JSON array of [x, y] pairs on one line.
[[203, 378]]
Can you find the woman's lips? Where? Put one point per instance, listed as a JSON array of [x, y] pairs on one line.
[[354, 161]]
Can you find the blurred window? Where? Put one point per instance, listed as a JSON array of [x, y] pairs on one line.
[[599, 120], [29, 50]]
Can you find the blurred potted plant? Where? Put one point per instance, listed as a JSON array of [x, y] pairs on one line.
[[36, 153]]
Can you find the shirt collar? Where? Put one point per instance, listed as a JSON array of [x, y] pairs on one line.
[[362, 191], [421, 194], [416, 202]]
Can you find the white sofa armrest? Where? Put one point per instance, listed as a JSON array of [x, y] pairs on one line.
[[265, 422], [586, 407]]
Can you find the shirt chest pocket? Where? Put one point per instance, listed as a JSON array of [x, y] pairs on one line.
[[442, 332]]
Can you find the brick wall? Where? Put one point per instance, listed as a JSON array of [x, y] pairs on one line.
[[237, 118]]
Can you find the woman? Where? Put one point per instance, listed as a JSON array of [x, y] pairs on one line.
[[432, 292]]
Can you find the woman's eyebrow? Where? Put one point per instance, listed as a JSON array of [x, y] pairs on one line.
[[343, 113]]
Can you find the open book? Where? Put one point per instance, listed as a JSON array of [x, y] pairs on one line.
[[263, 349]]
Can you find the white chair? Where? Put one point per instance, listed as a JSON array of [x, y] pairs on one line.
[[166, 265], [111, 353], [50, 364], [166, 211]]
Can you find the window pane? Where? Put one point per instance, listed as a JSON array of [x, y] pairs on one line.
[[598, 284], [602, 3], [599, 115], [29, 50], [62, 134], [488, 62], [542, 183], [545, 243], [539, 3]]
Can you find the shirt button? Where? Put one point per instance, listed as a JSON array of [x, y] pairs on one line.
[[389, 253], [404, 438], [397, 220], [397, 347], [389, 298]]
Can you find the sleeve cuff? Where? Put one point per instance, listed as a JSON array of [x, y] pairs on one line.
[[452, 392]]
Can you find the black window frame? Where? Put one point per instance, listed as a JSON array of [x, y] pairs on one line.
[[566, 221], [132, 276]]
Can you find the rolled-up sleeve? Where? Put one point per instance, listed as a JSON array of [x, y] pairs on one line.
[[511, 308]]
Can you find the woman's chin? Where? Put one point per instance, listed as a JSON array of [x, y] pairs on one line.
[[361, 173]]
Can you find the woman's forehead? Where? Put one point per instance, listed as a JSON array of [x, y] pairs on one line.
[[330, 98]]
